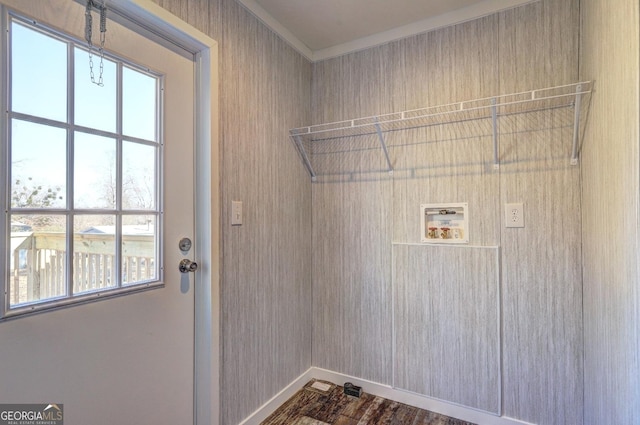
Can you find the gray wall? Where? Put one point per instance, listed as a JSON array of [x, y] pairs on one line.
[[519, 336], [610, 46], [371, 292], [359, 212], [266, 263]]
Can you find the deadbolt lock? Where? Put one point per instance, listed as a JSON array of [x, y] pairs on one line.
[[184, 244]]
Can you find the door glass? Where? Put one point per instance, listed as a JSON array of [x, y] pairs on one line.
[[87, 193], [139, 104], [95, 106], [94, 171], [94, 253], [38, 165], [41, 74], [37, 266], [139, 248], [138, 176]]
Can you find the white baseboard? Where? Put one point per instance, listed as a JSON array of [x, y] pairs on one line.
[[412, 399], [278, 400]]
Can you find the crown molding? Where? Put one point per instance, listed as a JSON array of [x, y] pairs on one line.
[[277, 27], [465, 14]]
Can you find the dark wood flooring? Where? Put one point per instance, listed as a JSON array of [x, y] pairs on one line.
[[311, 406]]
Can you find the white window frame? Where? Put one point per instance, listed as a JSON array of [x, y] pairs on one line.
[[6, 311]]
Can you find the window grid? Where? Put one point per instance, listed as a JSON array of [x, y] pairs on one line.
[[70, 212]]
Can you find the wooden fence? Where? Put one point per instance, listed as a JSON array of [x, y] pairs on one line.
[[39, 263]]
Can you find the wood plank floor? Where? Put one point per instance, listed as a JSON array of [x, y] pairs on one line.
[[313, 406]]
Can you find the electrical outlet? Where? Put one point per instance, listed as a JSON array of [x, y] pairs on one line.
[[514, 215]]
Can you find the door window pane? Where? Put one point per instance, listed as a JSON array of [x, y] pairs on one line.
[[38, 74], [111, 224], [94, 171], [138, 176], [37, 265], [95, 106], [139, 239], [94, 253], [38, 165], [139, 104]]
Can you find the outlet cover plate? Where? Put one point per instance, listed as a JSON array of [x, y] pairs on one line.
[[514, 214]]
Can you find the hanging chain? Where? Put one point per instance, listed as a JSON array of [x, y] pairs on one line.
[[88, 33]]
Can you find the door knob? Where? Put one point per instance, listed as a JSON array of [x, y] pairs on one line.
[[187, 266]]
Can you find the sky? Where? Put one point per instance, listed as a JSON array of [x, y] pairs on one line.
[[39, 67], [39, 88]]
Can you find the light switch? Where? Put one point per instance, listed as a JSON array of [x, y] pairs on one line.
[[236, 213]]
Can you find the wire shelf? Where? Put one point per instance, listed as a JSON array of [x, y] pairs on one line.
[[490, 108]]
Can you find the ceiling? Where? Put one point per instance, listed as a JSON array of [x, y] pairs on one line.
[[320, 29]]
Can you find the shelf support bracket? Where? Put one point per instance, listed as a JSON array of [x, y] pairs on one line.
[[305, 158], [384, 147], [576, 125], [494, 121]]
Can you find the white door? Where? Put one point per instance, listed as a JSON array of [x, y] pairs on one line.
[[128, 359]]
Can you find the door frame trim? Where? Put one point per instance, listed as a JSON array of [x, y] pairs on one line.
[[207, 196]]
